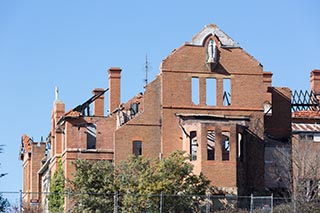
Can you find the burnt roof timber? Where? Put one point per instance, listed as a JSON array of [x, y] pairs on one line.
[[82, 107]]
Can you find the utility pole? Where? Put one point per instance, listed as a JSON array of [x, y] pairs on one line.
[[146, 67]]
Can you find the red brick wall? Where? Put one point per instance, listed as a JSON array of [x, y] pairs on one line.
[[144, 127], [248, 93]]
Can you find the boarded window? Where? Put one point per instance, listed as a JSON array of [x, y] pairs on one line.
[[195, 90], [137, 148], [225, 146], [91, 136], [226, 92], [193, 145], [211, 92], [211, 138]]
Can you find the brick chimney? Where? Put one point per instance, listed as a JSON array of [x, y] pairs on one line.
[[315, 81], [98, 107], [57, 112], [267, 82], [114, 88]]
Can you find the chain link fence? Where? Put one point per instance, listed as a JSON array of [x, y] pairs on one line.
[[118, 203]]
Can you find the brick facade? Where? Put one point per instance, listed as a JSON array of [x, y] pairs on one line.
[[32, 154], [223, 130]]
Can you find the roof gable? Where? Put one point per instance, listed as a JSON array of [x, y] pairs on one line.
[[225, 40]]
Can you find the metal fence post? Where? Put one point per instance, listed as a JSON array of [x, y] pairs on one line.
[[115, 202], [20, 194], [294, 204], [251, 203], [208, 203], [161, 202], [271, 203]]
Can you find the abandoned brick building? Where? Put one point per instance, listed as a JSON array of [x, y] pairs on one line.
[[211, 99]]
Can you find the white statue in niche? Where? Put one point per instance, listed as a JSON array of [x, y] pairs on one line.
[[212, 52]]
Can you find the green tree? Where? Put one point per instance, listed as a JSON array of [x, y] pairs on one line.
[[4, 203], [185, 189], [93, 186], [136, 180], [139, 181], [57, 187]]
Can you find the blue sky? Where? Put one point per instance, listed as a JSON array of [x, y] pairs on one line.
[[72, 43]]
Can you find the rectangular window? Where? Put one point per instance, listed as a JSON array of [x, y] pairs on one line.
[[211, 138], [91, 136], [211, 92], [134, 108], [137, 148], [225, 145], [193, 145], [309, 137], [226, 92], [195, 90]]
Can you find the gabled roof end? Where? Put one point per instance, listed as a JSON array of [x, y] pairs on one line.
[[212, 29]]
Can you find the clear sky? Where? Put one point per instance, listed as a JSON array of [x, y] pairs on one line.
[[72, 43]]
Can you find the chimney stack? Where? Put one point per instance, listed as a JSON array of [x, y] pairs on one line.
[[98, 107], [114, 88], [267, 82], [315, 81], [57, 113]]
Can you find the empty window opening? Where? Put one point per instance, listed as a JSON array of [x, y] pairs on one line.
[[240, 147], [211, 138], [307, 137], [195, 90], [91, 136], [211, 92], [226, 92], [225, 145], [137, 148], [134, 108], [267, 108], [193, 145]]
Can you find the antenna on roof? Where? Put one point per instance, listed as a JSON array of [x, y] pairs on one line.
[[57, 93], [146, 67]]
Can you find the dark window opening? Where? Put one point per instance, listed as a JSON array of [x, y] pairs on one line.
[[225, 146], [137, 148], [193, 145], [211, 138], [134, 108], [91, 136]]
